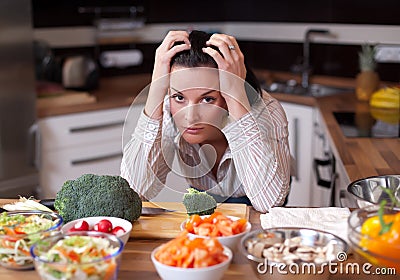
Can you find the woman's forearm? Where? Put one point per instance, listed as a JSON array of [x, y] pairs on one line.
[[261, 155], [262, 169], [143, 164], [162, 69], [154, 103]]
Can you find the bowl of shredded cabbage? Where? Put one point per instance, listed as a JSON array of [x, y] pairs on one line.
[[78, 255], [19, 230]]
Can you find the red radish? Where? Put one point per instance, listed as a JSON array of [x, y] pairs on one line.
[[81, 225], [118, 231], [103, 226], [72, 229]]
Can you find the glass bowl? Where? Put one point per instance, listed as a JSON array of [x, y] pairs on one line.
[[381, 252], [19, 230], [78, 255]]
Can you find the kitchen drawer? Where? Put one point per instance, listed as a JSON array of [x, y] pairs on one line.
[[81, 129], [61, 165]]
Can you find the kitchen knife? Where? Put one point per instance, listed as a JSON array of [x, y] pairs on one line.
[[149, 211], [48, 203]]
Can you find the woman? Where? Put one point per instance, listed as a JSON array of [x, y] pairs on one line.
[[205, 108]]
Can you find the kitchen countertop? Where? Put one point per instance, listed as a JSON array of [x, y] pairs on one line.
[[361, 157], [113, 92]]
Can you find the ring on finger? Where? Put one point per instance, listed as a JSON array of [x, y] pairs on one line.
[[231, 47]]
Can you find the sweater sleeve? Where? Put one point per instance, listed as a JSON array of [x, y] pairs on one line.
[[260, 153], [144, 165]]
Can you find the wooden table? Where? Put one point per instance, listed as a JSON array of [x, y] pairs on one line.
[[136, 262]]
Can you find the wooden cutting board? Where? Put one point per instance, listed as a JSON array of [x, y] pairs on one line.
[[167, 225]]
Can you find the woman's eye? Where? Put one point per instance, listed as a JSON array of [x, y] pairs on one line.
[[177, 97], [208, 99]]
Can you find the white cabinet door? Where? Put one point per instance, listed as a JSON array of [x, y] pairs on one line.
[[70, 163], [79, 129], [300, 118], [321, 194], [76, 144], [333, 172]]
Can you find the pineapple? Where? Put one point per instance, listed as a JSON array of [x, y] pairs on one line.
[[367, 58], [367, 80]]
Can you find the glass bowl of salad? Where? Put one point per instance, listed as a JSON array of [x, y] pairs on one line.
[[19, 230], [78, 255]]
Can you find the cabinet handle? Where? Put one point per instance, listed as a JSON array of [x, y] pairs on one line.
[[34, 146], [333, 189], [296, 146], [325, 183], [317, 163], [96, 159], [95, 127]]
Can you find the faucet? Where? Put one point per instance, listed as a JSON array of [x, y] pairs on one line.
[[306, 69]]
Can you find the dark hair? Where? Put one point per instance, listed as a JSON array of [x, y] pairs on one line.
[[195, 57]]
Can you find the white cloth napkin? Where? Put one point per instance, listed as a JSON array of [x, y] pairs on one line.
[[329, 219]]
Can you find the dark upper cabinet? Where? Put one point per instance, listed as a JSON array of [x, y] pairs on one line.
[[50, 13], [326, 59]]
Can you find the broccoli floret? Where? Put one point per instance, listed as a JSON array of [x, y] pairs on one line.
[[200, 203], [98, 195]]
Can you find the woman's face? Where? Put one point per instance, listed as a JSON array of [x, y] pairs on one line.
[[197, 106]]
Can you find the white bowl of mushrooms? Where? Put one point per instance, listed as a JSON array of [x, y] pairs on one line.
[[290, 253]]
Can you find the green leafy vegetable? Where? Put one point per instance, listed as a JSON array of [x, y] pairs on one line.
[[385, 227], [200, 203], [98, 195]]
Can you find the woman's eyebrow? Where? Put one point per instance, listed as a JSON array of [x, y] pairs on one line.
[[205, 93]]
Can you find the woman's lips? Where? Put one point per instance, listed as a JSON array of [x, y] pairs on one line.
[[193, 130]]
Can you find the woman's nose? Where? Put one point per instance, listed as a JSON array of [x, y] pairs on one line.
[[192, 113]]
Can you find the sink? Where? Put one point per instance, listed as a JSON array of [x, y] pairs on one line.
[[316, 90]]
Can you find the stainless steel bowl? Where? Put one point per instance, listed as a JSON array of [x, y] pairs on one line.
[[369, 191], [269, 269]]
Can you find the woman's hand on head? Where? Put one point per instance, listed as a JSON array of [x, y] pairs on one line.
[[162, 68], [232, 59], [167, 50], [232, 74]]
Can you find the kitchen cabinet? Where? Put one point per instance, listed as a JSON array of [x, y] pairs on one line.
[[300, 121], [332, 171], [329, 179], [314, 181], [89, 142], [323, 171], [75, 144]]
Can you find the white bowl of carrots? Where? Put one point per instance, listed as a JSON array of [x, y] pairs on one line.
[[227, 229], [191, 258]]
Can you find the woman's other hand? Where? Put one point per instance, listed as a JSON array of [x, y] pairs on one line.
[[161, 70], [232, 74]]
